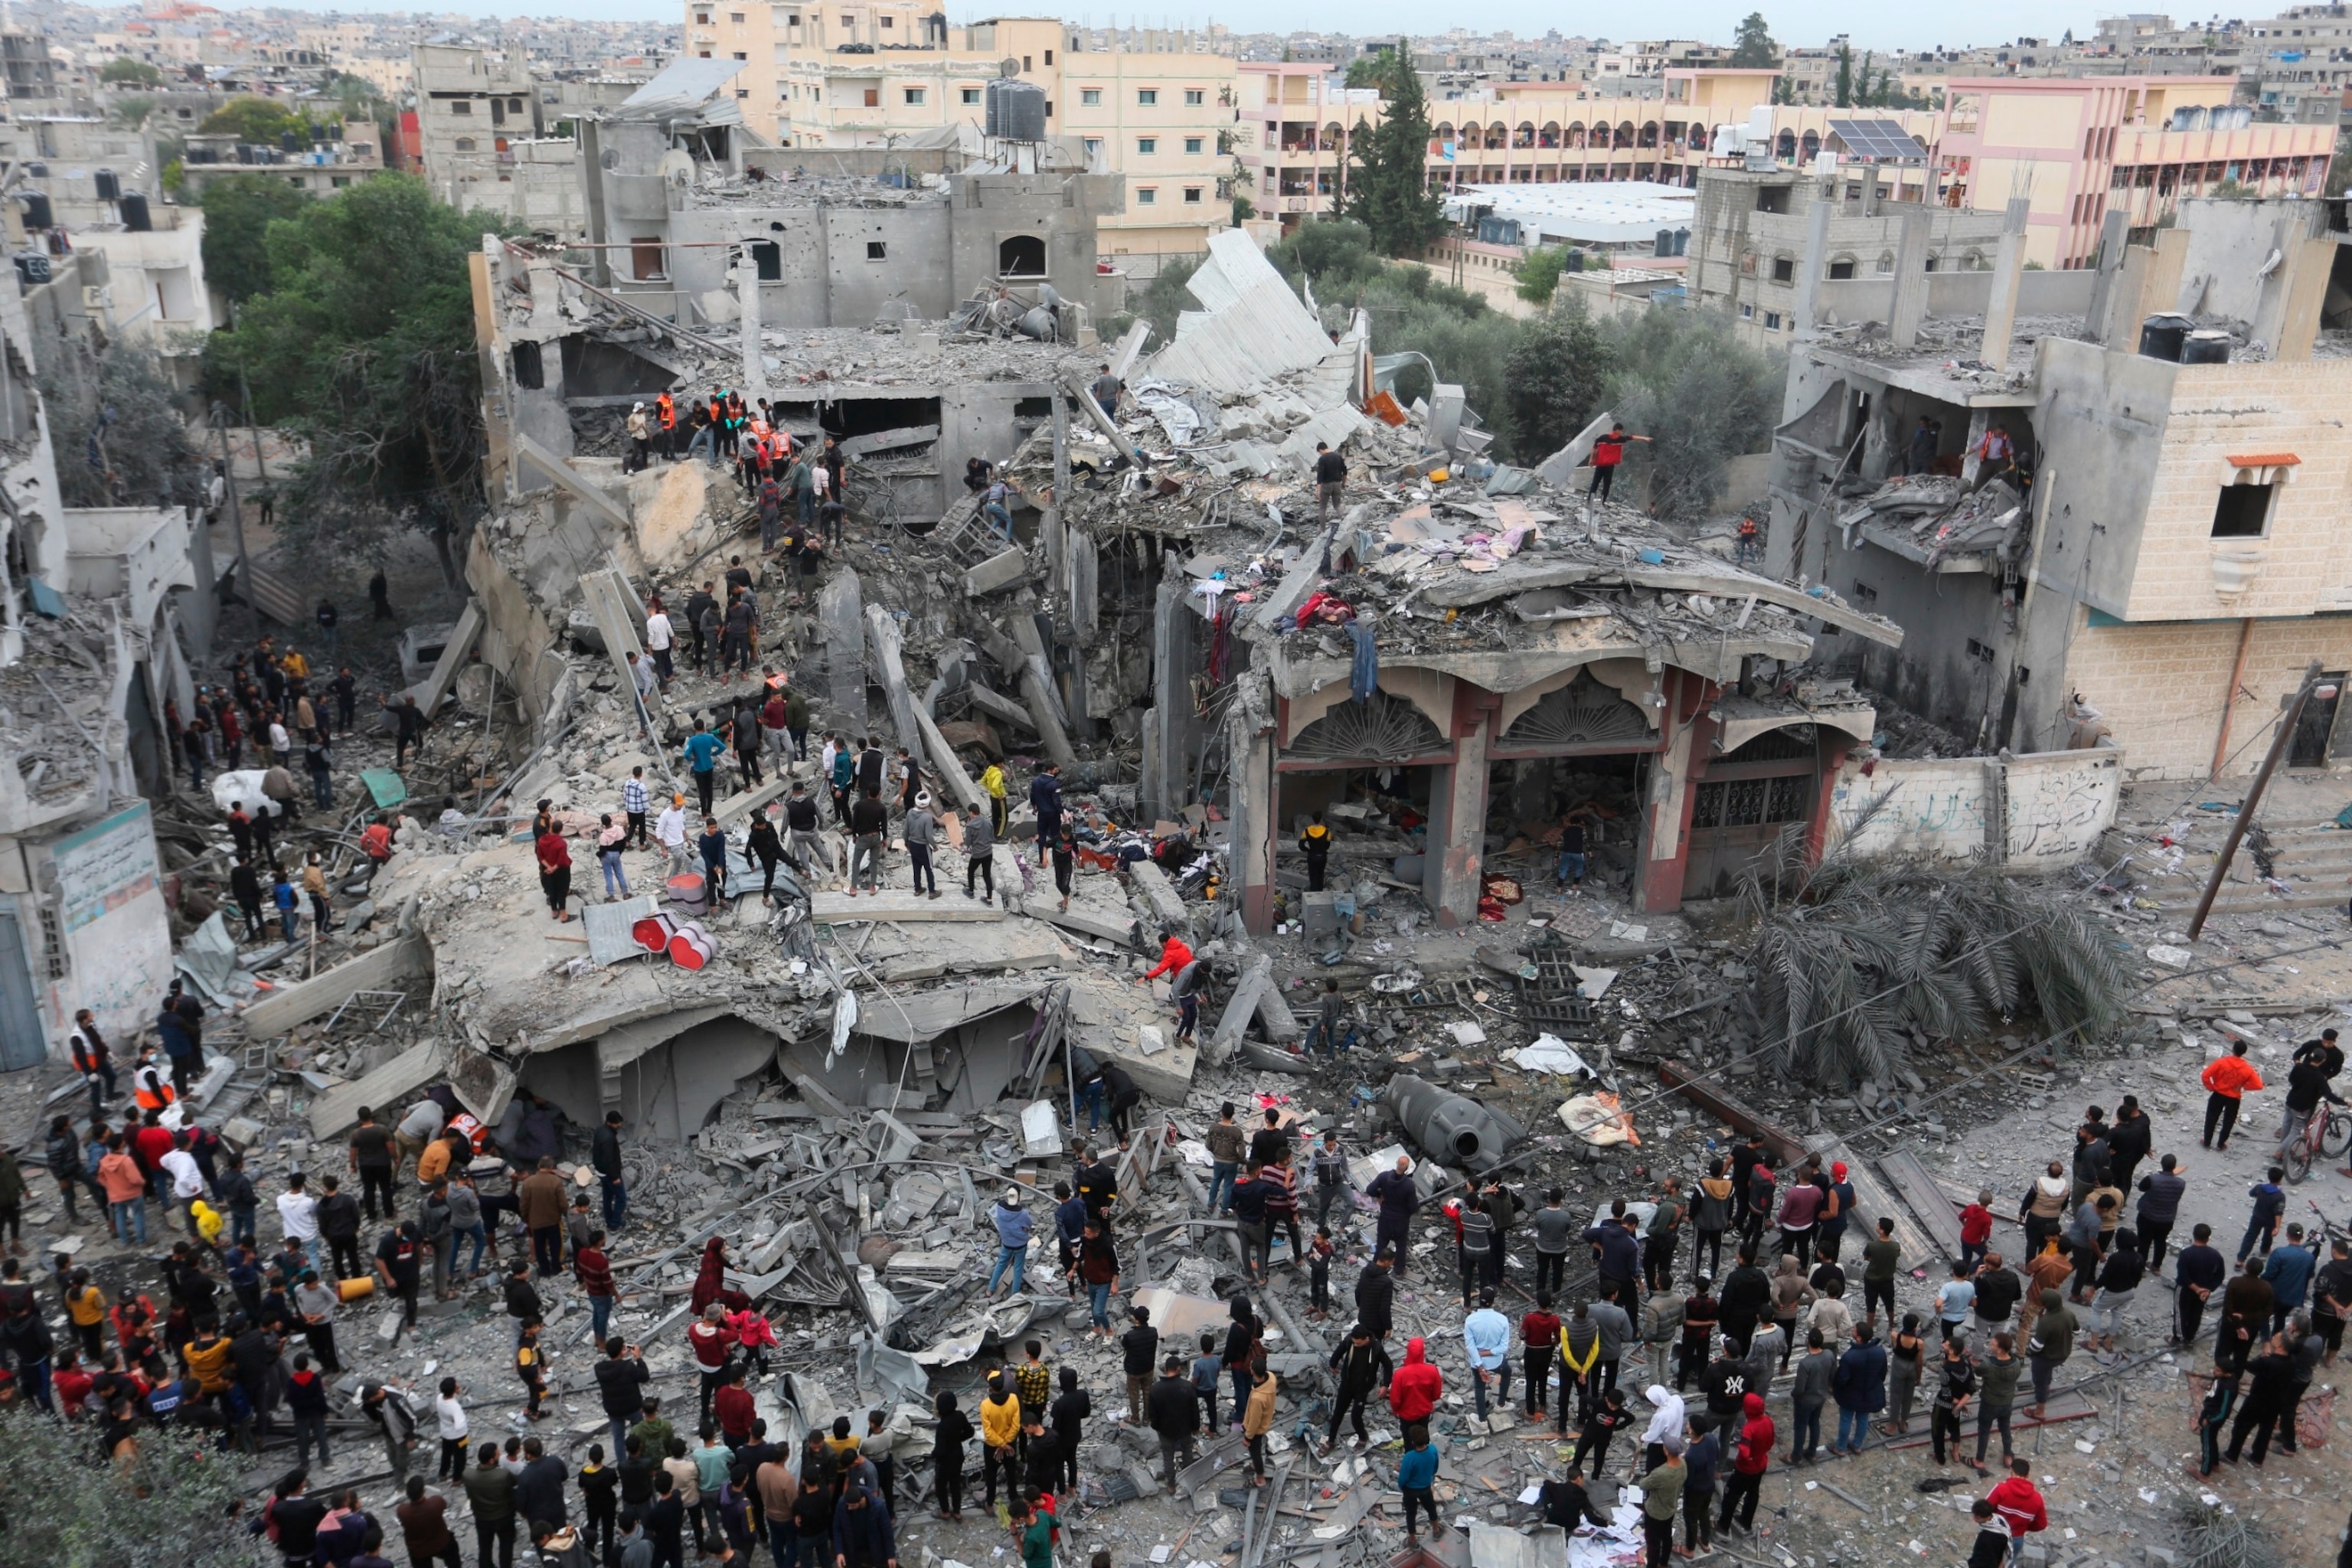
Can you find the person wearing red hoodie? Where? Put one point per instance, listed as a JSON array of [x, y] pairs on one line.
[[1749, 1462], [2017, 1500], [1414, 1391]]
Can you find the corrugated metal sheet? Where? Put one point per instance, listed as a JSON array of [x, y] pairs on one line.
[[1252, 330], [681, 86], [1235, 267]]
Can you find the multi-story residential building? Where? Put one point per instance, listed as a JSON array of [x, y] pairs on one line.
[[1297, 121], [477, 112], [2166, 556], [352, 153], [2298, 65], [2075, 149], [1149, 105]]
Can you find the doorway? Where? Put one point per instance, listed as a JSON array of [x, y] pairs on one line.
[[2316, 724], [1747, 800]]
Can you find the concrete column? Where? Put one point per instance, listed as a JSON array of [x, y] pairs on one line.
[[1168, 785], [1810, 264], [1251, 806], [2114, 233], [840, 625], [1664, 855], [2008, 266], [1455, 850], [1979, 420], [1910, 276], [747, 293]]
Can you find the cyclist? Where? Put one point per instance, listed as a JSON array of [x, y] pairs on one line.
[[2306, 1086]]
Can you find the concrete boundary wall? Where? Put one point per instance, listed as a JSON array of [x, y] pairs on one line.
[[2042, 810]]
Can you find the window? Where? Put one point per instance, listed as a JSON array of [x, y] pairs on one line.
[[1094, 147], [461, 106], [1020, 255], [1147, 145], [514, 106], [736, 17], [1192, 145], [646, 259], [739, 55], [465, 143], [339, 181], [702, 18], [1090, 98], [1747, 312], [2242, 512], [971, 95], [914, 97], [877, 252], [1049, 57], [1194, 97], [1784, 269], [742, 92], [1024, 62], [1146, 195], [1772, 320], [1148, 97], [889, 23], [1193, 194], [873, 97], [1841, 270]]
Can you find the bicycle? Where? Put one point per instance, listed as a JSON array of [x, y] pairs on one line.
[[2324, 1134], [2329, 1230]]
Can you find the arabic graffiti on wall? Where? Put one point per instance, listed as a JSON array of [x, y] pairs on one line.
[[117, 934]]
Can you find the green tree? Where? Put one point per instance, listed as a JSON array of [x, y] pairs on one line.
[[1556, 376], [238, 211], [131, 110], [119, 437], [1372, 69], [1843, 91], [168, 1501], [1388, 181], [125, 70], [1752, 47], [1684, 378], [1538, 273], [261, 121], [1244, 210], [364, 347]]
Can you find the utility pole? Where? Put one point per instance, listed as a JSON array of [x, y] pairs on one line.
[[242, 572], [2279, 742]]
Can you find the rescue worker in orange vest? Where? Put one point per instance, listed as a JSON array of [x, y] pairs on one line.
[[148, 1087], [1750, 542], [666, 412]]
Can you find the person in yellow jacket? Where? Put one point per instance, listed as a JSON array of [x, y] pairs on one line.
[[1000, 1438], [1316, 844], [1580, 1351], [992, 780], [209, 1222], [208, 1358], [86, 1307], [1258, 1420]]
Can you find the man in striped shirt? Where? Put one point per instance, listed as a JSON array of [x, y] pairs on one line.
[[634, 801]]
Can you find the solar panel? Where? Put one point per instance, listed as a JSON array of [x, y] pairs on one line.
[[1878, 139]]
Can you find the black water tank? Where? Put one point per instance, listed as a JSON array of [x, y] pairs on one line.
[[289, 143], [2162, 336], [33, 266], [37, 211], [109, 187], [2206, 346], [134, 213]]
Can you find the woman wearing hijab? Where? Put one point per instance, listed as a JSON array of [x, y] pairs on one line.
[[947, 1456], [1240, 1346]]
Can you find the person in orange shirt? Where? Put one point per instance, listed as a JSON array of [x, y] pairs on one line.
[[2228, 1078], [665, 416]]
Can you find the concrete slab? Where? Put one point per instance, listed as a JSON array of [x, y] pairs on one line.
[[996, 573], [393, 1084], [282, 1009], [1160, 894], [897, 904], [1099, 923], [1018, 945]]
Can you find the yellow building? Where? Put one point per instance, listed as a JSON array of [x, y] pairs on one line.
[[1151, 106]]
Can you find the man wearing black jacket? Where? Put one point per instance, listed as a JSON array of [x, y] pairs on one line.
[[2128, 1142], [1726, 1383], [1364, 1369], [339, 1228], [2197, 1273], [1139, 1350], [1174, 1411], [1746, 1295], [2270, 1376], [1069, 1413], [539, 1490], [621, 1379]]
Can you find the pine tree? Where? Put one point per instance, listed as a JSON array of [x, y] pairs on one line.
[[1752, 47], [1845, 90], [1388, 181]]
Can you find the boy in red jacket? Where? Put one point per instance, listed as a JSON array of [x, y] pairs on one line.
[[1976, 1230], [1749, 1462], [2017, 1502], [1417, 1387]]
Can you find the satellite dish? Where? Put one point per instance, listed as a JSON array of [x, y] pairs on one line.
[[1008, 67], [676, 168]]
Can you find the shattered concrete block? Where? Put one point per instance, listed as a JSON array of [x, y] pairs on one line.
[[1000, 571]]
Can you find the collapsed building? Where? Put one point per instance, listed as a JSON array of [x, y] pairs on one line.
[[2159, 555]]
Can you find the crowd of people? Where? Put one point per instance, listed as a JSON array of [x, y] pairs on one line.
[[1737, 1367]]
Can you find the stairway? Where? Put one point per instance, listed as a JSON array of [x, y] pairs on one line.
[[2312, 858]]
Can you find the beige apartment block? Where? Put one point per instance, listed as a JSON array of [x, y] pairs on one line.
[[1159, 108]]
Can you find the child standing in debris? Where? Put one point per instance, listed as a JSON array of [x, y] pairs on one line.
[[1320, 1253], [449, 1416], [1417, 1477], [531, 1366]]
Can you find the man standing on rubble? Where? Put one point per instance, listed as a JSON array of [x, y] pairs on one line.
[[1013, 1228], [539, 1204], [1330, 480], [702, 750], [669, 829], [1045, 800], [1608, 456], [1398, 1199], [921, 831], [868, 821]]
